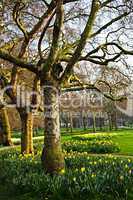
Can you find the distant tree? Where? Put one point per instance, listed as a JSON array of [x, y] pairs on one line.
[[5, 130]]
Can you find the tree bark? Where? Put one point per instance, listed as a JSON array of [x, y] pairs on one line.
[[1, 137], [27, 133], [1, 133], [30, 130], [5, 132], [52, 156]]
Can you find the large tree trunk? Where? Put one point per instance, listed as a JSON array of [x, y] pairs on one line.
[[52, 156], [27, 133], [5, 132]]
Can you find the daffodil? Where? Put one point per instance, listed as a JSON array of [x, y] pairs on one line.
[[82, 169], [62, 171], [74, 179], [126, 166], [93, 175], [121, 177]]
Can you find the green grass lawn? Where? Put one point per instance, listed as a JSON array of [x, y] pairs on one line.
[[125, 141], [123, 137]]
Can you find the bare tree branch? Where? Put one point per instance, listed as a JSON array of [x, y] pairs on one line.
[[43, 34], [109, 24], [56, 35], [18, 62], [93, 87], [84, 37]]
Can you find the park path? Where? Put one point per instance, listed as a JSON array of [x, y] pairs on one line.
[[16, 142]]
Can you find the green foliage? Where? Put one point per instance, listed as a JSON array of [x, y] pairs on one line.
[[86, 177]]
